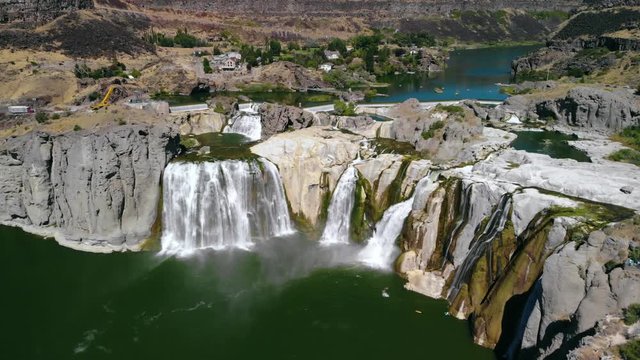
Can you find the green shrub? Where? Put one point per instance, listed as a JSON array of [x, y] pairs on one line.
[[428, 134], [121, 122], [55, 116], [634, 253], [41, 117], [632, 314], [626, 155], [451, 109], [135, 73], [219, 108], [94, 96], [77, 127], [344, 108], [206, 66], [630, 350]]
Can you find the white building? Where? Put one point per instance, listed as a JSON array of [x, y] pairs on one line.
[[331, 55], [326, 67]]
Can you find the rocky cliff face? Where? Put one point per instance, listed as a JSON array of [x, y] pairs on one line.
[[35, 10], [99, 188], [589, 108], [493, 247], [363, 8]]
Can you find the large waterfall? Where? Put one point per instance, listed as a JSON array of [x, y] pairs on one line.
[[336, 230], [222, 204], [381, 250]]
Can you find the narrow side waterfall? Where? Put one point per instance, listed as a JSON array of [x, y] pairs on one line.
[[495, 225], [381, 249], [222, 204], [247, 123], [336, 230]]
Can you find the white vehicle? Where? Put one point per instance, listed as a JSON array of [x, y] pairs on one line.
[[20, 109]]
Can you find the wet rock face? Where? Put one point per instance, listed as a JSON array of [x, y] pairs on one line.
[[39, 10], [96, 188]]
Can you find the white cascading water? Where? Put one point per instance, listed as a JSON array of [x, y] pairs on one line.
[[381, 250], [247, 122], [221, 205], [337, 228], [248, 125]]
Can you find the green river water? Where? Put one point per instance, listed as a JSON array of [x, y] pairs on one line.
[[288, 299]]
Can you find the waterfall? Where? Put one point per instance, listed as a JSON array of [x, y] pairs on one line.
[[381, 250], [337, 228], [495, 225], [247, 123], [462, 209], [222, 204]]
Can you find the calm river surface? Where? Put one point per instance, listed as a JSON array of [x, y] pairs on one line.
[[286, 300]]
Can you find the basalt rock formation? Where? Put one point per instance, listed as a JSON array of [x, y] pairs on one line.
[[89, 188], [37, 10], [604, 110]]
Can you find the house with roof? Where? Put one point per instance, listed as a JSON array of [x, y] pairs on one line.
[[326, 67], [227, 62], [331, 55]]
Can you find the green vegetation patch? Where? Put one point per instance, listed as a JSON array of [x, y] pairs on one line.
[[630, 350], [632, 314], [182, 39], [115, 69], [391, 146], [222, 147], [344, 108], [631, 138], [597, 23], [428, 134], [626, 155], [512, 90]]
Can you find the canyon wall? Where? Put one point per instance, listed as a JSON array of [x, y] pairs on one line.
[[35, 10], [362, 8], [98, 188]]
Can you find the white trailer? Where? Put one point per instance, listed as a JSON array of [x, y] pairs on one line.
[[20, 109]]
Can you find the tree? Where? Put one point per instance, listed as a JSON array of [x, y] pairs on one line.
[[216, 51], [206, 66], [41, 117], [293, 46], [275, 48], [338, 45], [344, 108]]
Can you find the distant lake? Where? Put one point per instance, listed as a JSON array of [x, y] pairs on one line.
[[470, 74]]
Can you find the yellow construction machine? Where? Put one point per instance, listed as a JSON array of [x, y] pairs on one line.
[[105, 100]]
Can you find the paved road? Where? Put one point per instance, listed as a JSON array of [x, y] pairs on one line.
[[365, 107], [196, 107]]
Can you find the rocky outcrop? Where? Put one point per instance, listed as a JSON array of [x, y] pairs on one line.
[[99, 190], [310, 161], [589, 108], [196, 123], [277, 118], [38, 10], [582, 284]]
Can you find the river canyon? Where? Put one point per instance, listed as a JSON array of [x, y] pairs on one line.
[[438, 230]]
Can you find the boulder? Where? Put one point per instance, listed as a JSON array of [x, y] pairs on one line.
[[277, 118]]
